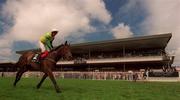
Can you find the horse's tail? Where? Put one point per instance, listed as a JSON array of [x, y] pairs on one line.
[[24, 60]]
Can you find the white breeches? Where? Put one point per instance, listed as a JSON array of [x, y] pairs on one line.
[[42, 47]]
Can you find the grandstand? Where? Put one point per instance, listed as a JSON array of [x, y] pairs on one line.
[[119, 55]]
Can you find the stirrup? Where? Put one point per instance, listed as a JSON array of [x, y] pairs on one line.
[[36, 61]]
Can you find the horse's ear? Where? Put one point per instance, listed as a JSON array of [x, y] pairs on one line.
[[65, 43]]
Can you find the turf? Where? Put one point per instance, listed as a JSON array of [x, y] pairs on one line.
[[88, 90]]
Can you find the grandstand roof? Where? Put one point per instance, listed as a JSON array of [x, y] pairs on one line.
[[142, 42]]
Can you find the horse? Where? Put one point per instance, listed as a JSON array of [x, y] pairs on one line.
[[46, 65]]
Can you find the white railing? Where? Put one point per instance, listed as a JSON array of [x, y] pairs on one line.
[[114, 60], [81, 75]]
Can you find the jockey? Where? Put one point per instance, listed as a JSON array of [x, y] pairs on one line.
[[45, 43]]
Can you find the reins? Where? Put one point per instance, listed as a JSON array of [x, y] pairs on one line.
[[53, 50]]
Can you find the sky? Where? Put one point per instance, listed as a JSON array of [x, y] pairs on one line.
[[22, 22]]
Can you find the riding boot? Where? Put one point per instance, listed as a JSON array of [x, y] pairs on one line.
[[35, 58]]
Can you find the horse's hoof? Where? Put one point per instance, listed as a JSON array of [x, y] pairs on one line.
[[14, 85], [37, 87], [58, 91]]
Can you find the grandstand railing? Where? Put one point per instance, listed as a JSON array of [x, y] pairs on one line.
[[81, 75], [115, 60]]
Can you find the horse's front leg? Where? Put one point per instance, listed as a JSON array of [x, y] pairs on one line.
[[42, 80], [51, 76]]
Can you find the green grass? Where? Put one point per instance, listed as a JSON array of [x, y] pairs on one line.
[[88, 90]]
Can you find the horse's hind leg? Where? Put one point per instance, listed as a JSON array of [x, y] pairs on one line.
[[18, 75], [43, 78]]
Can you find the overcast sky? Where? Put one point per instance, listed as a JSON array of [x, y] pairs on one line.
[[22, 22]]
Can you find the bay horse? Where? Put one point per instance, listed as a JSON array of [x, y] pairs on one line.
[[46, 65]]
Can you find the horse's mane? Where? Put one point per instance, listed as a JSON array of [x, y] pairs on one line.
[[56, 48]]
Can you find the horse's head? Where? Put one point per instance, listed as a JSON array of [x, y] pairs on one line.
[[65, 51]]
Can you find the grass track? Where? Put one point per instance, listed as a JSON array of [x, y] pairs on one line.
[[88, 90]]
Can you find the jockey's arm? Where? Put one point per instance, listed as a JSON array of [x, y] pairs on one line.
[[49, 44], [52, 42]]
